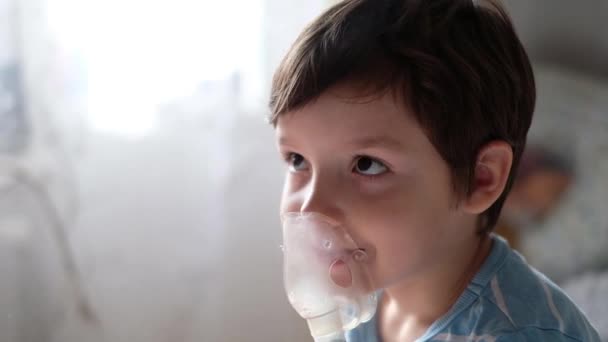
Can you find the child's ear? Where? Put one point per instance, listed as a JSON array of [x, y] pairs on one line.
[[492, 169]]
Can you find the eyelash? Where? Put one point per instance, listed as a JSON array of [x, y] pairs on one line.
[[289, 155]]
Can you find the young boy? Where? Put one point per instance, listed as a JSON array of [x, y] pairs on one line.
[[404, 121]]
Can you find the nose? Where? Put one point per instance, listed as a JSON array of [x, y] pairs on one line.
[[323, 195]]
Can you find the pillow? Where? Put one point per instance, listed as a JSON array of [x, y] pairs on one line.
[[571, 120]]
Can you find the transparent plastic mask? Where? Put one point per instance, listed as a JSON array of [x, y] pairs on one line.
[[326, 275]]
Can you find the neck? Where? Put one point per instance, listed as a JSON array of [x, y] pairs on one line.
[[415, 304]]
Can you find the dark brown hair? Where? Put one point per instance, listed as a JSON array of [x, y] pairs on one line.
[[458, 64]]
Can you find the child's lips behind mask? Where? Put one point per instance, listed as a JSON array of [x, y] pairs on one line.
[[340, 274]]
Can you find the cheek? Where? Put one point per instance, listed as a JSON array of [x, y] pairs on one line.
[[412, 201], [403, 224]]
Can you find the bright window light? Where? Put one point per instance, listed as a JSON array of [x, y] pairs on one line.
[[140, 54]]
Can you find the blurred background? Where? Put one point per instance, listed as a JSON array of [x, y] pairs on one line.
[[139, 182]]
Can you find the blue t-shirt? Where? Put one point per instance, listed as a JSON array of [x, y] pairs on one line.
[[507, 301]]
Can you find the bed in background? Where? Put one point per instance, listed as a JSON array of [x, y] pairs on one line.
[[557, 215]]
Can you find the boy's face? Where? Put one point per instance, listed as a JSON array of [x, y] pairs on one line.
[[366, 164]]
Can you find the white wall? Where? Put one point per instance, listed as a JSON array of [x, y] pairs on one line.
[[179, 236], [177, 233], [570, 33]]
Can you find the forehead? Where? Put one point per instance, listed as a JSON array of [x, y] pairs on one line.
[[343, 112]]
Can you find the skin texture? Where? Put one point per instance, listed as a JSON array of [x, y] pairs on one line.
[[365, 163]]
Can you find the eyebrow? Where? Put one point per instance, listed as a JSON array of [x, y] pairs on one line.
[[364, 142], [376, 141], [283, 141]]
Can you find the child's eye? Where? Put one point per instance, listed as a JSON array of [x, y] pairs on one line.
[[296, 162], [369, 167]]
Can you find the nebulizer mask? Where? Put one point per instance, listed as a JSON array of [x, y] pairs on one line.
[[326, 276]]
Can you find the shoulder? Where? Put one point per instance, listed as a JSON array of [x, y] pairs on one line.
[[514, 301], [540, 335], [536, 309]]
